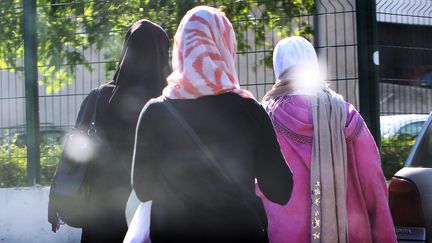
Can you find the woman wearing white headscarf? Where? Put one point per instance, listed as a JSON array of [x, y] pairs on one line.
[[339, 192], [201, 145]]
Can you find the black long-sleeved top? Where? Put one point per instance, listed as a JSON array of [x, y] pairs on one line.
[[192, 200]]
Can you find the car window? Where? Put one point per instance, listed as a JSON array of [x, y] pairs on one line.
[[423, 154], [385, 128], [412, 129], [46, 138]]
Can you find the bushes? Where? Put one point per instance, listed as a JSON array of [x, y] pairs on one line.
[[13, 160], [50, 157], [13, 163], [394, 152]]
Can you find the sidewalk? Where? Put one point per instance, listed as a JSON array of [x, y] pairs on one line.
[[23, 218]]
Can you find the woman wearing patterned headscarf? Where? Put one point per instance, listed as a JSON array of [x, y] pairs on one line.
[[339, 194], [200, 147]]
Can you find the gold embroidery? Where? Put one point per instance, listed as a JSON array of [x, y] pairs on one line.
[[317, 190], [316, 223], [316, 200]]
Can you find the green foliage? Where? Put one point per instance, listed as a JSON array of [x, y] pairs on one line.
[[13, 163], [50, 157], [394, 152], [69, 29]]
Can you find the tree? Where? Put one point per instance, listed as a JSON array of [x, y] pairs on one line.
[[67, 29]]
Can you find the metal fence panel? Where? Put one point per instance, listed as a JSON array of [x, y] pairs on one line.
[[12, 98], [405, 46], [330, 25]]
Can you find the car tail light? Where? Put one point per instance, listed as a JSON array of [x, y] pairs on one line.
[[405, 203]]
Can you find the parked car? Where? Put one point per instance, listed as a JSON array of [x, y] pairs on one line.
[[423, 75], [410, 191], [397, 125]]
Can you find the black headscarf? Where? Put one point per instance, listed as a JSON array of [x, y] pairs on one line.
[[142, 69], [140, 76]]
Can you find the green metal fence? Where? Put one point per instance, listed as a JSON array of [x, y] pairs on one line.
[[79, 41], [405, 87]]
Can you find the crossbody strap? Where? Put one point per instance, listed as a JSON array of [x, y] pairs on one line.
[[93, 129]]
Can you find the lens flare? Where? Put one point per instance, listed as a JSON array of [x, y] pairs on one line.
[[79, 147], [307, 78]]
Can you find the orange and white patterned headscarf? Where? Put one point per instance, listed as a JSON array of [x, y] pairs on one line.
[[203, 56]]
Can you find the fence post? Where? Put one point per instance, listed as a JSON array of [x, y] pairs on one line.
[[316, 29], [31, 92], [368, 70]]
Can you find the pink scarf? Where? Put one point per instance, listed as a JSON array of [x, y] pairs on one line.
[[203, 57]]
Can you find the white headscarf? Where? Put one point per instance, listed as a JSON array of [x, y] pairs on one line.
[[295, 60]]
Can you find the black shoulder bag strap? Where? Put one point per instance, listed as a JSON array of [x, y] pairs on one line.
[[93, 129], [198, 141], [92, 126]]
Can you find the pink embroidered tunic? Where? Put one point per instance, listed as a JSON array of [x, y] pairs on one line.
[[369, 218]]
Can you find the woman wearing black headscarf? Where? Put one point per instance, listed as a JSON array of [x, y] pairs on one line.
[[140, 75]]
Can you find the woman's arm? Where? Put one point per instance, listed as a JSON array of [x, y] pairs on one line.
[[271, 170], [145, 169], [374, 187]]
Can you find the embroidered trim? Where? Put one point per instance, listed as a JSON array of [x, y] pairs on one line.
[[301, 138], [309, 140], [316, 235], [316, 201], [296, 137]]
